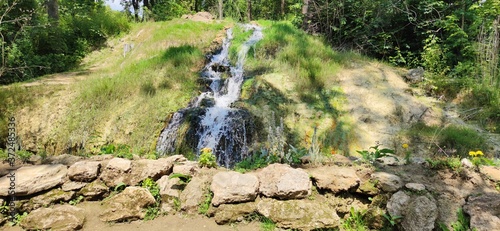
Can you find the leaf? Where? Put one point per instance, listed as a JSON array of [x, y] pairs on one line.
[[386, 150]]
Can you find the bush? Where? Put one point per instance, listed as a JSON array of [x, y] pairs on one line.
[[207, 158]]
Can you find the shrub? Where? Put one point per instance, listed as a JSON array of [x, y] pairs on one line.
[[207, 158]]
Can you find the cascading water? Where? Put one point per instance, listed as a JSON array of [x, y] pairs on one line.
[[219, 127]]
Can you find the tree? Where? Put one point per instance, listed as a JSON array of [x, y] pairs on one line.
[[220, 10]]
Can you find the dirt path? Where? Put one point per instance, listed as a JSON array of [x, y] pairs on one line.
[[163, 223]]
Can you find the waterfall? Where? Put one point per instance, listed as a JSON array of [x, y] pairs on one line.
[[221, 127]]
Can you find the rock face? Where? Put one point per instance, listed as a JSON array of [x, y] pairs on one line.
[[334, 178], [421, 215], [415, 75], [298, 214], [94, 190], [387, 182], [33, 179], [72, 185], [188, 168], [58, 218], [484, 211], [415, 187], [116, 171], [169, 187], [231, 187], [84, 171], [128, 205], [194, 193], [284, 182], [397, 204], [52, 197], [491, 172]]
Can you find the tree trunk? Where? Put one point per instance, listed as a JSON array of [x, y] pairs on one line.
[[282, 8], [305, 15], [135, 5], [53, 11], [220, 10], [249, 10]]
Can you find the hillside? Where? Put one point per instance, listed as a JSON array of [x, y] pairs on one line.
[[305, 104]]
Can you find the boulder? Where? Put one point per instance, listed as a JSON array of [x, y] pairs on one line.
[[170, 187], [421, 214], [46, 199], [116, 171], [57, 218], [229, 213], [396, 206], [284, 182], [335, 179], [466, 163], [72, 185], [491, 172], [415, 187], [387, 182], [194, 193], [189, 168], [368, 188], [94, 191], [484, 211], [298, 214], [415, 75], [144, 168], [84, 171], [175, 158], [234, 187], [128, 205], [33, 179], [391, 160]]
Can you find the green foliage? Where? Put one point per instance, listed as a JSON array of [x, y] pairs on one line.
[[355, 221], [393, 220], [76, 200], [462, 223], [119, 150], [18, 218], [120, 187], [153, 211], [205, 205], [184, 179], [24, 155], [3, 154], [267, 224], [207, 158], [452, 163], [462, 139], [371, 156], [255, 161], [148, 89], [478, 161]]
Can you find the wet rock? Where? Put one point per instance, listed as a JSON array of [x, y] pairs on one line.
[[284, 182], [396, 206], [58, 218], [228, 213], [94, 191], [33, 179], [298, 214], [194, 193], [128, 205], [420, 215], [491, 172], [116, 172], [335, 178], [232, 187], [387, 182], [84, 171], [73, 186], [44, 200], [415, 187], [189, 168], [484, 211]]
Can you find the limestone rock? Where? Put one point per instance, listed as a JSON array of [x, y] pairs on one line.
[[491, 172], [387, 182], [368, 188], [128, 205], [466, 163], [116, 172], [189, 168], [58, 218], [169, 187], [94, 191], [194, 193], [391, 160], [176, 158], [335, 178], [298, 214], [44, 200], [64, 159], [228, 213], [84, 171], [396, 206], [284, 182], [484, 211], [154, 169], [415, 75], [33, 179], [421, 215], [231, 187], [73, 186], [415, 187]]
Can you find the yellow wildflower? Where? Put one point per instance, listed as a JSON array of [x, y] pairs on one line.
[[405, 146], [472, 153], [206, 150], [479, 153]]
